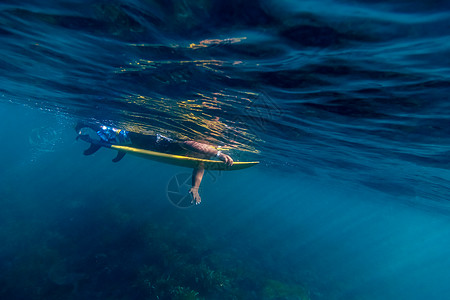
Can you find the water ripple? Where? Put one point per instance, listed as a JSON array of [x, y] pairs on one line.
[[356, 92]]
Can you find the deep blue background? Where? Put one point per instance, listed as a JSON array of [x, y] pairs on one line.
[[345, 103]]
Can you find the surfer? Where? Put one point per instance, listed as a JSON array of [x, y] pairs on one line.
[[104, 136]]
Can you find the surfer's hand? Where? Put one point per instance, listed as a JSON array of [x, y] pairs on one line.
[[226, 158], [195, 195]]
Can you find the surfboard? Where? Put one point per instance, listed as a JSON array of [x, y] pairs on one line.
[[185, 161]]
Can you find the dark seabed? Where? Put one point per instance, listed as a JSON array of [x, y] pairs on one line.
[[345, 103]]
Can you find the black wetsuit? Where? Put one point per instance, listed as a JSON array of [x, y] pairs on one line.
[[113, 136], [157, 143]]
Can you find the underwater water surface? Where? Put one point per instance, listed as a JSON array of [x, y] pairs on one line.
[[344, 103]]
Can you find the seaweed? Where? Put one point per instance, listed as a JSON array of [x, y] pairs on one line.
[[115, 252], [278, 290]]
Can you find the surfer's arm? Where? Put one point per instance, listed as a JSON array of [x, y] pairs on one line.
[[208, 150], [197, 176]]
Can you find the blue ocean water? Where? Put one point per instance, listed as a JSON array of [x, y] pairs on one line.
[[344, 103]]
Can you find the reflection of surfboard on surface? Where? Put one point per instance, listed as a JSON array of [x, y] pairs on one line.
[[184, 161]]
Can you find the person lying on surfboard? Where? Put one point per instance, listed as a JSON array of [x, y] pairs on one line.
[[103, 136]]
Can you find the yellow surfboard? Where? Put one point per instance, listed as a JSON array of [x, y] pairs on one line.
[[185, 161]]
